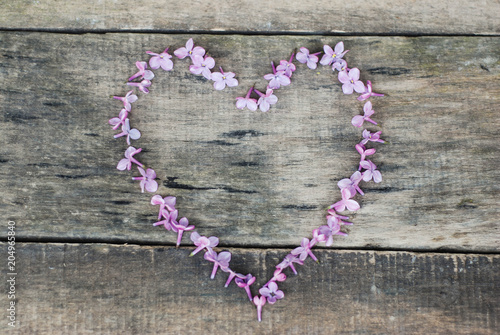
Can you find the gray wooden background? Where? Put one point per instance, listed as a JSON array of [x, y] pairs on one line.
[[422, 255]]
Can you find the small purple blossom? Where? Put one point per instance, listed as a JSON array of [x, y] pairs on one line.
[[259, 302], [358, 120], [142, 86], [222, 79], [364, 152], [148, 181], [271, 292], [143, 73], [288, 262], [341, 65], [247, 102], [116, 122], [332, 228], [277, 79], [371, 171], [202, 66], [333, 213], [318, 237], [183, 52], [373, 137], [222, 259], [304, 250], [352, 183], [332, 56], [277, 276], [245, 282], [167, 202], [287, 66], [126, 163], [346, 202], [203, 242], [232, 275], [127, 100], [160, 60], [304, 57], [166, 219], [180, 227], [351, 82], [368, 93], [130, 133], [266, 100]]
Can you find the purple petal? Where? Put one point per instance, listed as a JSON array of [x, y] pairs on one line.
[[357, 121], [122, 164], [219, 85], [231, 82]]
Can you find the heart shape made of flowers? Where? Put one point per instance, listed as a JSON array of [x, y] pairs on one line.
[[168, 215]]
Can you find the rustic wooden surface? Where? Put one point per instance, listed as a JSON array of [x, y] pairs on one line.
[[321, 16], [142, 290], [259, 181]]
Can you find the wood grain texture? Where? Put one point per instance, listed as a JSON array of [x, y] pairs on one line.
[[253, 179], [110, 289], [261, 16]]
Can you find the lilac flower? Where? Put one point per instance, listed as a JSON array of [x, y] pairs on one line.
[[341, 65], [202, 66], [180, 227], [222, 260], [143, 73], [332, 56], [287, 66], [374, 137], [266, 100], [248, 102], [346, 202], [127, 100], [318, 237], [332, 228], [371, 171], [245, 282], [288, 262], [333, 213], [358, 120], [189, 50], [368, 93], [277, 276], [350, 81], [116, 122], [160, 60], [126, 163], [142, 86], [232, 274], [259, 302], [304, 57], [364, 152], [148, 181], [166, 222], [304, 250], [277, 79], [222, 79], [167, 202], [352, 183], [130, 133], [272, 293], [203, 242]]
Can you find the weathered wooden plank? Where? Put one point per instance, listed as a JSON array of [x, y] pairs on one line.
[[110, 289], [338, 17], [261, 179]]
